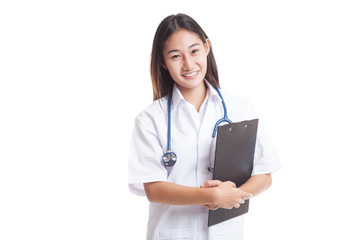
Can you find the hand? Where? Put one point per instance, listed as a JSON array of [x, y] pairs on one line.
[[209, 184], [226, 194]]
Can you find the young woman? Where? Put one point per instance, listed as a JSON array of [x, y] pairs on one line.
[[176, 178]]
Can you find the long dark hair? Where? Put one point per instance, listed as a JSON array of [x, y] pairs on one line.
[[161, 80]]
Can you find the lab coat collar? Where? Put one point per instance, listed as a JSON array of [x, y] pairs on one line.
[[211, 91], [177, 97]]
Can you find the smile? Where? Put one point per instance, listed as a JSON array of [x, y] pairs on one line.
[[190, 75]]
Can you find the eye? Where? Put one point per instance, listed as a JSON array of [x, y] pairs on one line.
[[194, 51], [175, 56]]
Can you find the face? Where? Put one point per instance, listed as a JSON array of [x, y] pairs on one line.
[[185, 57]]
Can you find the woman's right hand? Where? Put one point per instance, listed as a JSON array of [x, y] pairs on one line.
[[226, 195]]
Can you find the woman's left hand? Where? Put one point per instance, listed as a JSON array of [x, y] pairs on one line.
[[215, 183]]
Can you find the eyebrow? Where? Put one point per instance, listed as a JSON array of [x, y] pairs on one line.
[[177, 50]]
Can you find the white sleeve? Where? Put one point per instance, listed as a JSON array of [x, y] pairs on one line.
[[266, 159], [145, 155]]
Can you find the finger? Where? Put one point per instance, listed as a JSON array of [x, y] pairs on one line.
[[210, 183], [237, 205], [231, 183], [211, 206], [246, 196]]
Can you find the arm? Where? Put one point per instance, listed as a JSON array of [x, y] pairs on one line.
[[224, 194], [257, 184]]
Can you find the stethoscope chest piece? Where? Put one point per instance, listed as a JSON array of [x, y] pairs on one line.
[[169, 159]]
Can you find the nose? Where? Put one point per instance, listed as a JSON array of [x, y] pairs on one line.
[[188, 63]]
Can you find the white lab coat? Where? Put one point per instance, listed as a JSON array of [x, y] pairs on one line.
[[191, 139]]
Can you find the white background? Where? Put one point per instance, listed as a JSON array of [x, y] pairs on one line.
[[74, 75]]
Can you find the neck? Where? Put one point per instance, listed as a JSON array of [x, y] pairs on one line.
[[195, 96]]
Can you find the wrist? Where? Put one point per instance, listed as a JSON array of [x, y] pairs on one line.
[[208, 195], [213, 195]]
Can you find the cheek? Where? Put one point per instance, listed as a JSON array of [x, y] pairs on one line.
[[172, 68], [204, 64], [202, 60]]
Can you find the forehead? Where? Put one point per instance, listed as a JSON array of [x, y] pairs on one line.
[[181, 39]]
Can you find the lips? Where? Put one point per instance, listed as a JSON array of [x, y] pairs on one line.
[[190, 75]]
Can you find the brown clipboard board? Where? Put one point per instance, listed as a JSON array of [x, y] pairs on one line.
[[234, 158]]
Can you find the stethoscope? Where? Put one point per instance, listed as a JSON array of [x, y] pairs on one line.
[[169, 158]]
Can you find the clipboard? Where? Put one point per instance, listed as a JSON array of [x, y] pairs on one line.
[[234, 158]]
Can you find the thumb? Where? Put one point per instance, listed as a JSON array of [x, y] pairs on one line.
[[210, 183], [246, 195]]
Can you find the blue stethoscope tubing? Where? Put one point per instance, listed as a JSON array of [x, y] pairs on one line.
[[223, 119], [169, 158]]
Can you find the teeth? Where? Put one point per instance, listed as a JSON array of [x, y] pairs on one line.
[[190, 75]]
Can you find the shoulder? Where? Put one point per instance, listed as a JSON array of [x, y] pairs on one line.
[[238, 107], [235, 99], [153, 113]]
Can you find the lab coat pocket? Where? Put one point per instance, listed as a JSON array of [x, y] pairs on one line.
[[174, 234]]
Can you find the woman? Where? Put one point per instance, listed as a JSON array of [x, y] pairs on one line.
[[184, 75]]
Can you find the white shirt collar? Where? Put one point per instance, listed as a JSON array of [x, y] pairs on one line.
[[211, 91], [177, 96]]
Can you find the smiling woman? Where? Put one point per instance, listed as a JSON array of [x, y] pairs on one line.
[[185, 58], [186, 93], [191, 43]]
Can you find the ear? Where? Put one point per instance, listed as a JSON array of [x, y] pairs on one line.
[[207, 45], [163, 65]]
